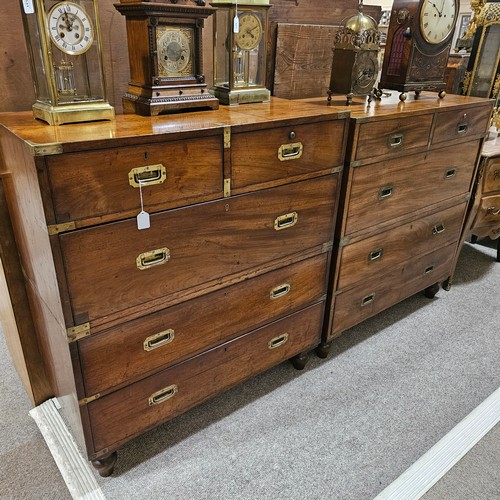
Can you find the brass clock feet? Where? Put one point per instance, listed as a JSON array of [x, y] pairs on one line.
[[417, 93], [106, 464], [299, 361], [322, 350], [441, 94], [403, 96]]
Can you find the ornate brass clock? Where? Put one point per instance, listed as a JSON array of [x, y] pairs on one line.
[[355, 57], [165, 56], [64, 46], [240, 44], [418, 45]]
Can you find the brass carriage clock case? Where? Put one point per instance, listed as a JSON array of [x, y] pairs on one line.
[[240, 44], [64, 47], [355, 57], [165, 56], [418, 46]]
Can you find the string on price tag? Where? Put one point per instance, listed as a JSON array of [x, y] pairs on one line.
[[236, 20], [143, 221]]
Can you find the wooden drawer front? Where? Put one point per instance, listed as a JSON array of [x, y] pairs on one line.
[[195, 245], [492, 175], [255, 156], [96, 183], [392, 136], [127, 412], [462, 123], [383, 191], [488, 213], [378, 254], [366, 300], [194, 326]]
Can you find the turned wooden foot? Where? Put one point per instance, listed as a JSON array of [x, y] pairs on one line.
[[299, 361], [447, 284], [106, 464], [323, 349], [431, 291]]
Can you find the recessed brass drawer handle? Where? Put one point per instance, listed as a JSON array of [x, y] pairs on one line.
[[462, 128], [375, 254], [438, 228], [158, 339], [286, 221], [493, 211], [429, 269], [147, 260], [147, 175], [291, 151], [162, 395], [450, 172], [367, 300], [385, 192], [395, 140], [277, 341], [280, 291]]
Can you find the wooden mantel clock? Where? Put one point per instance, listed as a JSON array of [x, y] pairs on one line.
[[418, 45], [165, 56]]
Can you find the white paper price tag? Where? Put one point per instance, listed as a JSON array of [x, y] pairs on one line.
[[236, 24], [28, 7], [143, 220]]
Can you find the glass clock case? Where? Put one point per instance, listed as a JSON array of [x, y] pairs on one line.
[[63, 44], [240, 44]]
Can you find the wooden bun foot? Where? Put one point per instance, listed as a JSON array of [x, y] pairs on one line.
[[299, 361], [106, 464], [431, 291], [323, 349]]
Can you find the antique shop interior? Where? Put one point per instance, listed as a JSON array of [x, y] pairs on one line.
[[250, 249]]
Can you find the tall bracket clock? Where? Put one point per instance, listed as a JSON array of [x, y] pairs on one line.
[[418, 46], [165, 56], [240, 45], [64, 48]]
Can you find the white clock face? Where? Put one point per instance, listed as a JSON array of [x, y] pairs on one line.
[[70, 28], [437, 20]]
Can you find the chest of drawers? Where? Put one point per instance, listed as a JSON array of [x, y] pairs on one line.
[[406, 186], [485, 215], [230, 279]]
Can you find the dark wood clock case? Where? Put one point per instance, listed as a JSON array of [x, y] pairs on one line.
[[150, 92], [410, 63]]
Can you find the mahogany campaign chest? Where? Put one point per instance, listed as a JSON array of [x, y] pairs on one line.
[[138, 324]]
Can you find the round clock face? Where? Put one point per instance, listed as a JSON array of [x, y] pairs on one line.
[[364, 73], [70, 28], [250, 31], [437, 19], [174, 51]]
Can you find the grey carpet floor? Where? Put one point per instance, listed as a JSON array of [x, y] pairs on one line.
[[344, 428]]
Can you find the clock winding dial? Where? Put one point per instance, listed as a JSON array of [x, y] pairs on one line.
[[70, 28], [437, 20]]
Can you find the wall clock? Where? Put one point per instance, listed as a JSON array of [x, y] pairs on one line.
[[240, 44], [418, 46], [165, 56], [64, 46], [355, 57]]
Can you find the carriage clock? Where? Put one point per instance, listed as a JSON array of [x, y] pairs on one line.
[[418, 45], [240, 44], [64, 48], [355, 57], [165, 56]]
